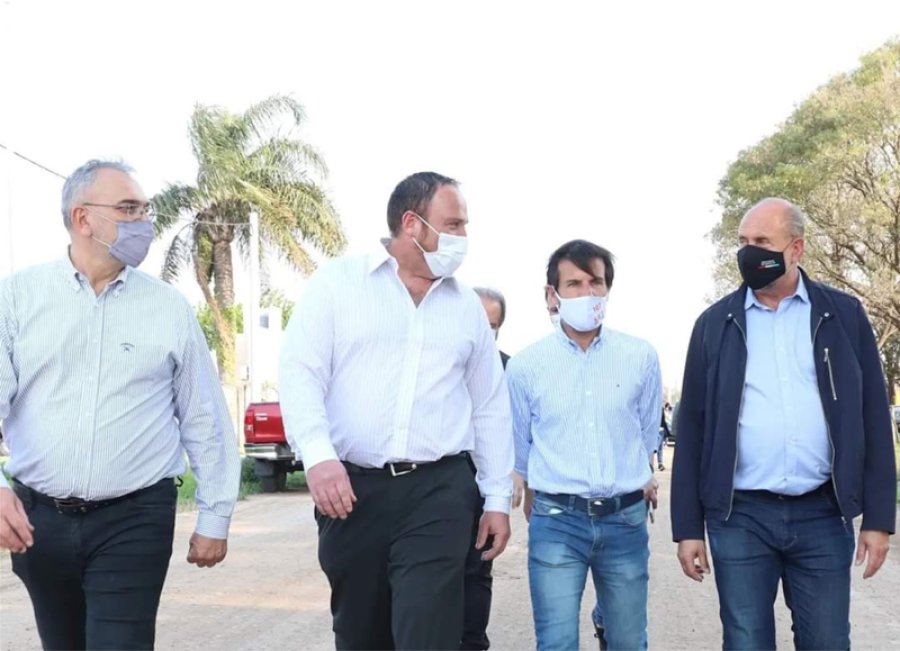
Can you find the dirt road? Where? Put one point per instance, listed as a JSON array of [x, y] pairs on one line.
[[270, 594]]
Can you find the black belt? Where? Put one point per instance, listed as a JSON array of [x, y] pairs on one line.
[[400, 468], [75, 505], [824, 489], [595, 505]]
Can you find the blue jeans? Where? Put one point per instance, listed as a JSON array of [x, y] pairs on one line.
[[660, 446], [562, 544], [802, 542]]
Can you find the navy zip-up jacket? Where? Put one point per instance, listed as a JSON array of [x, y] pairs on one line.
[[854, 397]]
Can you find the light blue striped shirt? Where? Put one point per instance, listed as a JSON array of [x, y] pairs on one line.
[[585, 422], [783, 443], [103, 395]]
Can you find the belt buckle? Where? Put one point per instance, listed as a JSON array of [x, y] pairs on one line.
[[598, 502], [70, 505], [400, 473]]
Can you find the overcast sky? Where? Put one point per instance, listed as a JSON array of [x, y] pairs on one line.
[[609, 122]]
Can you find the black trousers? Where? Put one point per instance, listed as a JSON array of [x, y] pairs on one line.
[[478, 583], [396, 564], [95, 578]]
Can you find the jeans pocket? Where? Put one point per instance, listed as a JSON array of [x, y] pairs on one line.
[[545, 507], [634, 515]]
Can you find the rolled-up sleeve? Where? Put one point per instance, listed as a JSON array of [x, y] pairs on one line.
[[651, 402]]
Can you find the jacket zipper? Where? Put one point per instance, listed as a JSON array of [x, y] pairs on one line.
[[830, 374], [827, 360], [736, 431]]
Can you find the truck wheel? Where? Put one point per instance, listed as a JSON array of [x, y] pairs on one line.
[[277, 483]]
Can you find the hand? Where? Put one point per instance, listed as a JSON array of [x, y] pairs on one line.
[[875, 545], [692, 556], [206, 552], [651, 489], [529, 501], [493, 524], [329, 485], [15, 528], [518, 489]]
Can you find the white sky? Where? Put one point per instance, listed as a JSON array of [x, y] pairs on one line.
[[609, 122]]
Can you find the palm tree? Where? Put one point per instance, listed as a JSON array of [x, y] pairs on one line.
[[246, 162]]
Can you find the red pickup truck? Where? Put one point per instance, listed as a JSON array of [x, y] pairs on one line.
[[266, 444]]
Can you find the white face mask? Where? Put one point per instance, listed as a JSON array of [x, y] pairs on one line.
[[450, 253], [584, 313]]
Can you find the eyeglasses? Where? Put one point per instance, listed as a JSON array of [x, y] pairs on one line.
[[133, 211]]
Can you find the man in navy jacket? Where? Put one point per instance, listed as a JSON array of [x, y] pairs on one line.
[[783, 438]]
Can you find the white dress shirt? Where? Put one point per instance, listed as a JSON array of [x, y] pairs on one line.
[[103, 395], [370, 378]]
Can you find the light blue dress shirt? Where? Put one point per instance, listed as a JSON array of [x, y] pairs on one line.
[[783, 443], [585, 422], [103, 395]]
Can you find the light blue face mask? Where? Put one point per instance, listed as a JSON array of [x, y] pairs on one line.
[[132, 243]]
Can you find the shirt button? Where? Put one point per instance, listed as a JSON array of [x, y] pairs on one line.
[[591, 423], [588, 393]]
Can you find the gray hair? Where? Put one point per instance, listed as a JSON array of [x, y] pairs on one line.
[[796, 220], [497, 297], [81, 179]]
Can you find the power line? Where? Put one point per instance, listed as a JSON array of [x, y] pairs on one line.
[[32, 161]]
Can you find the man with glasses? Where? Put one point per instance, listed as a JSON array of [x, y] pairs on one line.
[[105, 384]]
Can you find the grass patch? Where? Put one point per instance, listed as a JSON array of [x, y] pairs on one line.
[[249, 484]]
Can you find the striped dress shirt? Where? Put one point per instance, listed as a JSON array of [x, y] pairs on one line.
[[585, 422], [103, 395], [370, 378]]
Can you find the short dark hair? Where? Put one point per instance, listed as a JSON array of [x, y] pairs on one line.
[[580, 253], [495, 295], [414, 193]]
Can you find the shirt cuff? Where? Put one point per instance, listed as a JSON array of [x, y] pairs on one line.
[[312, 453], [211, 525], [497, 503]]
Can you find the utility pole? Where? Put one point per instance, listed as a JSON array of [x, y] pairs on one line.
[[251, 324]]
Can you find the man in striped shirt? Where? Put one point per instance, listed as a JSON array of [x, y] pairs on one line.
[[105, 383], [585, 404]]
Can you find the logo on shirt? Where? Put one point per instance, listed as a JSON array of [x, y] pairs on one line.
[[126, 347]]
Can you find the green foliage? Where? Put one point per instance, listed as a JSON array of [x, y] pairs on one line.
[[838, 157], [234, 315], [276, 298], [252, 161]]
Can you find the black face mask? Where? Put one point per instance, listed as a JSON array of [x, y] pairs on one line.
[[760, 267]]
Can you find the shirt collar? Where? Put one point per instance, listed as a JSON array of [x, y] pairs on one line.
[[750, 299], [596, 343], [77, 280], [381, 256]]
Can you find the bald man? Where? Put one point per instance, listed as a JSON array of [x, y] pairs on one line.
[[783, 439]]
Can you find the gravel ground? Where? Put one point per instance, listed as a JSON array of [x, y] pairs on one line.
[[270, 593]]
